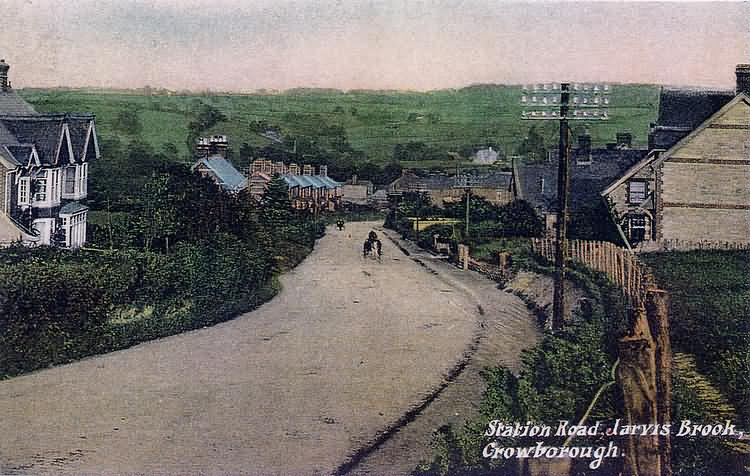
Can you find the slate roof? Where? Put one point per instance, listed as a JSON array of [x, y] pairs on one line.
[[586, 181], [72, 208], [11, 104], [314, 181], [229, 178], [681, 111], [44, 132]]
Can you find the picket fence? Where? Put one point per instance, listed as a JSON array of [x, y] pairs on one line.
[[620, 265]]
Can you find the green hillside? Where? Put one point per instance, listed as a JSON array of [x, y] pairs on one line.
[[373, 122]]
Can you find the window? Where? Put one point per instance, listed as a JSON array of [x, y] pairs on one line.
[[40, 186], [637, 228], [23, 191], [70, 180], [636, 192], [83, 177]]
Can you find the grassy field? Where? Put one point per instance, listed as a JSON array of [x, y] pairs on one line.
[[710, 301], [374, 122]]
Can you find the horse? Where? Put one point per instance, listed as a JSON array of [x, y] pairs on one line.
[[372, 248]]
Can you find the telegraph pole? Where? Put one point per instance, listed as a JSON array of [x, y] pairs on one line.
[[468, 194], [563, 202], [590, 103]]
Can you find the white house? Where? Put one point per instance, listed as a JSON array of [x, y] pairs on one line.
[[485, 156], [44, 163]]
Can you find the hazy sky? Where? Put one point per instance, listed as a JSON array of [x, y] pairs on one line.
[[386, 44]]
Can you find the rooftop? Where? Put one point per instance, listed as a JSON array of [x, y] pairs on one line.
[[229, 178]]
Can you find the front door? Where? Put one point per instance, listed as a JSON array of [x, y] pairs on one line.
[[637, 229]]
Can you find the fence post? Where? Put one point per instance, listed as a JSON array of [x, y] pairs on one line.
[[463, 256], [657, 311], [636, 376]]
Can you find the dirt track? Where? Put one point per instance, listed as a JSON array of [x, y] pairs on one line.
[[294, 387]]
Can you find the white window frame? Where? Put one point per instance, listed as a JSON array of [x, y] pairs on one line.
[[24, 191], [633, 201]]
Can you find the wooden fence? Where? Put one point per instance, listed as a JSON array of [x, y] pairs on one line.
[[620, 265], [644, 354]]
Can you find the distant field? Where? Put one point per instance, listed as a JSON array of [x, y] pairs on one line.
[[374, 121]]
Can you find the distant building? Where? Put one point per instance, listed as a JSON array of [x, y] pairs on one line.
[[692, 188], [222, 172], [306, 189], [357, 191], [496, 187], [486, 156], [44, 163]]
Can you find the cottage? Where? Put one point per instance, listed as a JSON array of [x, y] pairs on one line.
[[692, 188], [44, 162], [591, 170]]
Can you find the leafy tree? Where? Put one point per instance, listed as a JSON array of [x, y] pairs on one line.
[[276, 209], [519, 218], [532, 146]]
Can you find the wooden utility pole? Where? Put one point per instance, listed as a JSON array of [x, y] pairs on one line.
[[563, 198], [468, 193]]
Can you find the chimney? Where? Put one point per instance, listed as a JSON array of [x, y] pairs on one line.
[[583, 154], [743, 78], [307, 169], [624, 140], [4, 83], [354, 179], [324, 170]]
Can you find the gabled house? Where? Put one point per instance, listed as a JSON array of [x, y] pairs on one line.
[[692, 188], [591, 170], [222, 172], [44, 162]]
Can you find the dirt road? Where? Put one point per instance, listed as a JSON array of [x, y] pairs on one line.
[[294, 387]]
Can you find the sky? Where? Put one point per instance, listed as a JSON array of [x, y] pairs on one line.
[[236, 45]]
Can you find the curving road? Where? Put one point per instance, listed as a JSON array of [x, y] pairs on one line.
[[294, 387]]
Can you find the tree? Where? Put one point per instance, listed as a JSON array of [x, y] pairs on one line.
[[533, 145], [519, 218], [276, 207]]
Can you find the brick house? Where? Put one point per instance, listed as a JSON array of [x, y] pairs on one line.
[[44, 162], [692, 188], [306, 189]]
